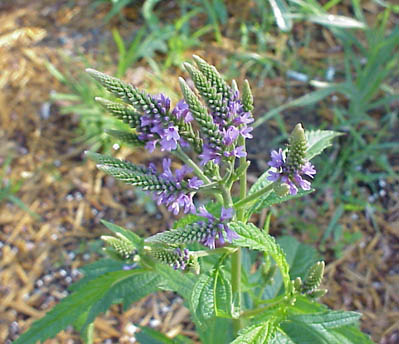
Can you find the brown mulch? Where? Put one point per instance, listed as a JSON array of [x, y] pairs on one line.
[[39, 257]]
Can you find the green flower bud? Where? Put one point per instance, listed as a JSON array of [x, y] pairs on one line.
[[281, 189], [314, 277], [315, 294], [296, 149], [247, 98], [121, 246]]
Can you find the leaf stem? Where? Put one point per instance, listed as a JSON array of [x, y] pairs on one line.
[[253, 197]]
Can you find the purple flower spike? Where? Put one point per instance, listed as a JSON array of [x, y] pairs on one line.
[[286, 174]]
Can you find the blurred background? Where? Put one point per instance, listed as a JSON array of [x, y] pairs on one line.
[[330, 64]]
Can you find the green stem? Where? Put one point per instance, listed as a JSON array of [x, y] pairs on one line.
[[236, 257], [218, 250], [187, 160], [253, 197]]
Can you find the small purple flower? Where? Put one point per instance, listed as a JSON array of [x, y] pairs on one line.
[[195, 183], [170, 139], [237, 152], [163, 102], [246, 132], [209, 154], [230, 135], [277, 159], [182, 111], [293, 179]]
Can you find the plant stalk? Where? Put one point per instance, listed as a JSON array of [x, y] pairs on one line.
[[253, 197]]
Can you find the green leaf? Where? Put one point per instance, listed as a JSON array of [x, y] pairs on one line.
[[318, 141], [148, 335], [327, 320], [307, 99], [253, 238], [212, 295], [325, 327], [299, 256], [99, 292], [281, 14], [95, 270], [272, 198], [134, 238], [176, 281], [336, 21], [255, 334]]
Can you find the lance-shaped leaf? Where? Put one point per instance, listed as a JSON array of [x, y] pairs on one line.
[[318, 141], [95, 297], [134, 238], [256, 334], [252, 237], [212, 295]]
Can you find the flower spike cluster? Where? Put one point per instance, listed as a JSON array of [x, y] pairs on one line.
[[206, 130], [228, 118], [292, 169]]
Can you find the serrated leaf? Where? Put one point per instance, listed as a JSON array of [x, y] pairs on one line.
[[329, 319], [252, 237], [202, 298], [96, 269], [212, 295], [318, 141], [255, 334], [299, 256], [326, 327], [134, 238], [176, 281], [222, 295], [82, 300], [272, 198]]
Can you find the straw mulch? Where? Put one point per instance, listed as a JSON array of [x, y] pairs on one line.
[[40, 254]]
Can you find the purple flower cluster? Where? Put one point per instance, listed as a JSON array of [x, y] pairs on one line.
[[180, 194], [157, 126], [232, 121], [217, 229], [183, 258], [292, 177]]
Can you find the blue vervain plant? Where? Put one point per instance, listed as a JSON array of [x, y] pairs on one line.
[[239, 283]]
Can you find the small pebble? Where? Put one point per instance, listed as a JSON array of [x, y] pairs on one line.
[[154, 323]]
